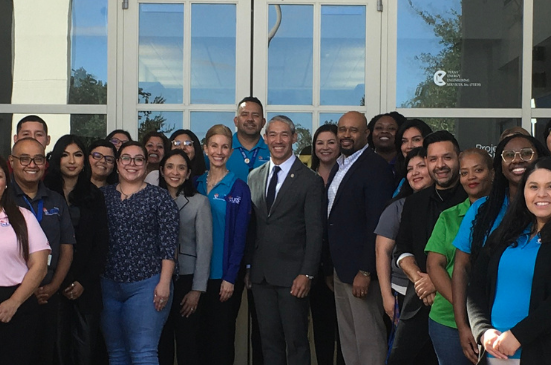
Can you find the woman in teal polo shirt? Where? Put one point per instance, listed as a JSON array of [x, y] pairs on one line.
[[476, 175], [230, 202]]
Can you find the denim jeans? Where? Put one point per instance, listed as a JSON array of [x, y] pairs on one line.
[[446, 344], [131, 325]]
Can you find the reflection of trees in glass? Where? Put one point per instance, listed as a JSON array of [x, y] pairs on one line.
[[148, 123], [304, 138], [448, 29], [84, 88]]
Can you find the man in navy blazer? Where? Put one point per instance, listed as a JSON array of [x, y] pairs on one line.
[[359, 187], [287, 248]]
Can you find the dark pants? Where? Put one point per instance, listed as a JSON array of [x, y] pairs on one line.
[[77, 333], [283, 321], [217, 330], [46, 332], [324, 321], [184, 330], [18, 336]]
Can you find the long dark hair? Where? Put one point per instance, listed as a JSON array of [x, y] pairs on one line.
[[187, 187], [198, 166], [113, 178], [406, 189], [489, 210], [329, 127], [518, 217], [82, 193], [15, 217], [412, 123]]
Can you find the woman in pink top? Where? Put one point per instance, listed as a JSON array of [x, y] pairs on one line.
[[24, 254]]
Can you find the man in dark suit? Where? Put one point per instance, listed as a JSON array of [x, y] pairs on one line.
[[287, 199], [359, 186]]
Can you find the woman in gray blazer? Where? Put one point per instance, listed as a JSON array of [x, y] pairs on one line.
[[194, 255]]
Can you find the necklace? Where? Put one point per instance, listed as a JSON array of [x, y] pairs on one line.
[[213, 183], [126, 196], [437, 193]]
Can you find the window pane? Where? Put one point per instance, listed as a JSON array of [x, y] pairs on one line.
[[88, 83], [213, 53], [290, 54], [164, 122], [541, 60], [202, 121], [161, 51], [88, 127], [303, 127], [326, 118], [342, 75], [459, 53]]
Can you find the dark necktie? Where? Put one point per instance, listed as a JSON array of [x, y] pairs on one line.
[[270, 197]]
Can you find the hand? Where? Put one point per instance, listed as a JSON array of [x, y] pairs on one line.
[[424, 286], [329, 281], [488, 341], [468, 344], [189, 303], [73, 291], [226, 290], [301, 286], [45, 292], [388, 304], [429, 299], [360, 285], [161, 295], [247, 279], [507, 343], [7, 309]]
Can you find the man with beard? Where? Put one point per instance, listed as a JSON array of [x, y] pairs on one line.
[[359, 187], [412, 344]]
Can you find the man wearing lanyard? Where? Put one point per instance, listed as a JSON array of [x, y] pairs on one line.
[[249, 151], [29, 163]]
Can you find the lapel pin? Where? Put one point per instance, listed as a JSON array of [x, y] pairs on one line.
[[292, 175]]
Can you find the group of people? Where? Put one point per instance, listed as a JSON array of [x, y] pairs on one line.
[[139, 252]]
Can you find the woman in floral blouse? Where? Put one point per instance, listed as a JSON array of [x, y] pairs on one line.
[[136, 286]]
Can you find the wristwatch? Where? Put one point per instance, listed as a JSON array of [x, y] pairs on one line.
[[309, 277], [367, 274]]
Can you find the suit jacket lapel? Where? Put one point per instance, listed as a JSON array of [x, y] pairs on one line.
[[350, 173], [287, 183], [263, 171]]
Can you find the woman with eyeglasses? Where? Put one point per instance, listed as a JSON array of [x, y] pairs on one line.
[[118, 137], [186, 140], [510, 291], [512, 157], [193, 258], [23, 264], [102, 163], [137, 282], [80, 302]]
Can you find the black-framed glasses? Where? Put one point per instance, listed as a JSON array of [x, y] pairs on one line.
[[127, 160], [38, 160], [181, 144], [98, 156], [525, 154], [117, 141]]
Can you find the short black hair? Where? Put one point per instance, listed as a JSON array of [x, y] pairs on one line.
[[441, 136], [32, 118], [121, 131], [252, 99]]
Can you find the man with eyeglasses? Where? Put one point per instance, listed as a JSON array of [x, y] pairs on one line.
[[29, 163]]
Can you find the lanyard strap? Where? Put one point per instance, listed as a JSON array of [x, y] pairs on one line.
[[250, 162], [37, 214]]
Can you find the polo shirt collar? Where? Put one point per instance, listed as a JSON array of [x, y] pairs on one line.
[[237, 144], [41, 192]]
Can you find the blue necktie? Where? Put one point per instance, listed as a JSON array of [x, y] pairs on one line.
[[270, 197]]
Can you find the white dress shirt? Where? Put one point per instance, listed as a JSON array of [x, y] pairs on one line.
[[281, 175]]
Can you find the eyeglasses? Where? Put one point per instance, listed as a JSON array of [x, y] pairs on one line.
[[138, 160], [525, 154], [117, 141], [98, 156], [181, 144], [38, 160]]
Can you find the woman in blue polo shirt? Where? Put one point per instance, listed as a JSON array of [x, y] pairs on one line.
[[510, 292], [230, 201]]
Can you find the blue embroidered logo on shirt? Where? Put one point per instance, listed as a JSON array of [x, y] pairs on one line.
[[218, 197], [53, 211], [235, 200]]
